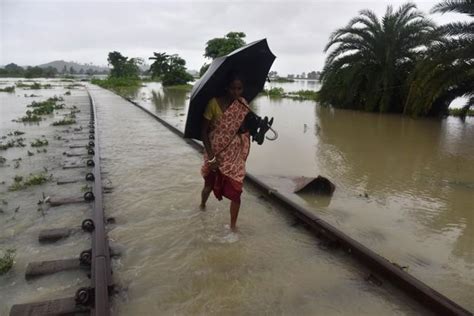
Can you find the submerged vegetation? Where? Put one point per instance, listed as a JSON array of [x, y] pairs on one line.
[[112, 83], [274, 92], [46, 107], [277, 92], [41, 108], [19, 183], [281, 80], [303, 95], [9, 89], [400, 63], [7, 260], [69, 120], [16, 142], [34, 86], [29, 117], [39, 143]]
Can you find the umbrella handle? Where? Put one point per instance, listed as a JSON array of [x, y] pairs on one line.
[[275, 135]]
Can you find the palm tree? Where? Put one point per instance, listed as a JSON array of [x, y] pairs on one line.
[[371, 59], [160, 65], [447, 71]]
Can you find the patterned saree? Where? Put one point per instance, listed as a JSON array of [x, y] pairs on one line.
[[231, 149]]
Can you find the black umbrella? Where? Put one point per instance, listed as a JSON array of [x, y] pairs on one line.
[[253, 61]]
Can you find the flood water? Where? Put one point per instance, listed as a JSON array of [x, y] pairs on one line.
[[404, 188], [21, 217]]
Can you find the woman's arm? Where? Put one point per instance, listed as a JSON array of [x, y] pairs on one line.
[[205, 138]]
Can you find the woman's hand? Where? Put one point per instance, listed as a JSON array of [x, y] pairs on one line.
[[213, 163]]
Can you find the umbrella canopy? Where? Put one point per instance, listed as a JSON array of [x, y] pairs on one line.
[[253, 61]]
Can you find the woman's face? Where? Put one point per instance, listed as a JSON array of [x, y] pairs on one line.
[[235, 89]]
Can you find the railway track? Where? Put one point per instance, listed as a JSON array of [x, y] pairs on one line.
[[381, 268], [93, 299]]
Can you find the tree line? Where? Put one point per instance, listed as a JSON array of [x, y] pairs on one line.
[[401, 62]]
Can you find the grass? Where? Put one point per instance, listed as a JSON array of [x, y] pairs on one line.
[[19, 183], [39, 143], [67, 93], [2, 160], [7, 260], [9, 89]]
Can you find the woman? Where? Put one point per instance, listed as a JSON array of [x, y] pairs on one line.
[[226, 146]]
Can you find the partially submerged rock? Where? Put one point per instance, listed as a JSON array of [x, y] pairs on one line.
[[318, 185]]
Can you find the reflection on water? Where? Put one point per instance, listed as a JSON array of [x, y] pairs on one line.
[[179, 260], [405, 187]]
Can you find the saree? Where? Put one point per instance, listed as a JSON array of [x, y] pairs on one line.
[[231, 149]]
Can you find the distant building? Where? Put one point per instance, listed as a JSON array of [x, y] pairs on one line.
[[313, 75]]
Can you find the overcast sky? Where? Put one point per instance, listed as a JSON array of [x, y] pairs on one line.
[[36, 32]]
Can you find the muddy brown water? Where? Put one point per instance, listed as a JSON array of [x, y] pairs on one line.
[[405, 187], [179, 260]]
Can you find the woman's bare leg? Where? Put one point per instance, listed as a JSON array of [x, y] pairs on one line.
[[206, 191], [234, 212]]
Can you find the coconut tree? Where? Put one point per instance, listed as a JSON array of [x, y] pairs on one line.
[[447, 71], [369, 60]]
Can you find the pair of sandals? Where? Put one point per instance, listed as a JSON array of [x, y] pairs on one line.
[[257, 127]]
